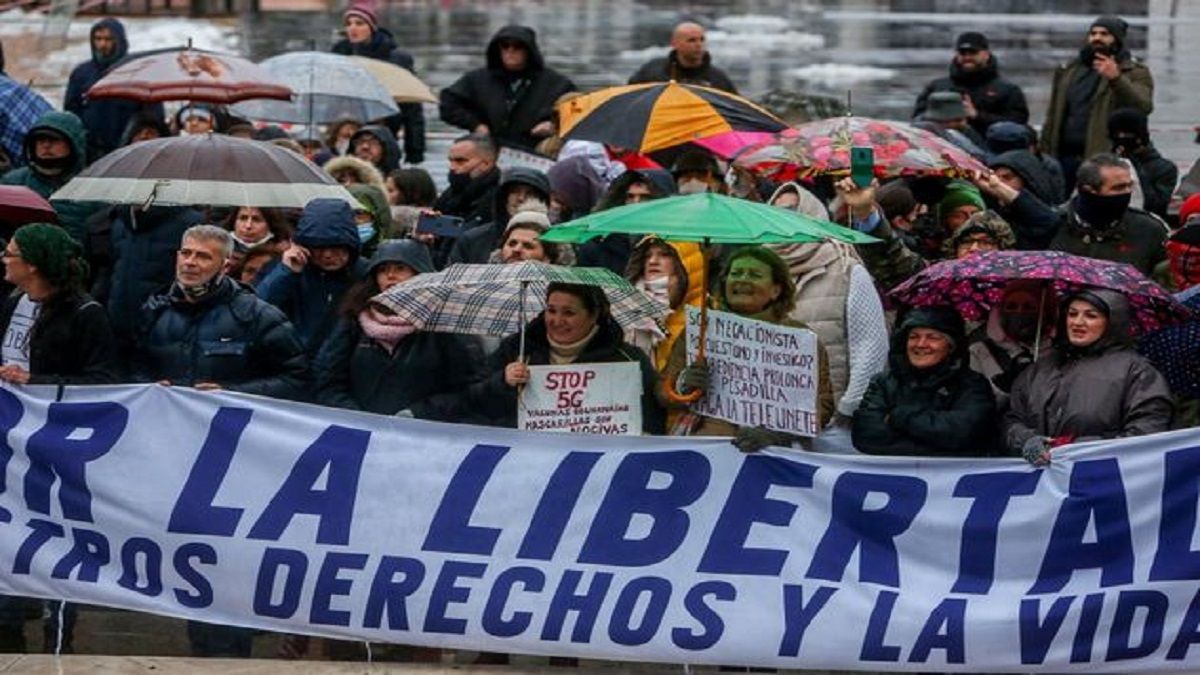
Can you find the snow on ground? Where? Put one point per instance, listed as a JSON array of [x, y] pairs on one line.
[[838, 75]]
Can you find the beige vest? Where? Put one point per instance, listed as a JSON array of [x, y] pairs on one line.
[[822, 275]]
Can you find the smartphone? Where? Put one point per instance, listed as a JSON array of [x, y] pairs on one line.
[[441, 226], [862, 165]]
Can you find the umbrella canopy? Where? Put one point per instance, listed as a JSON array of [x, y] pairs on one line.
[[823, 147], [189, 75], [972, 285], [403, 86], [1175, 350], [705, 217], [328, 87], [498, 299], [20, 109], [203, 170], [728, 145], [20, 205], [649, 117]]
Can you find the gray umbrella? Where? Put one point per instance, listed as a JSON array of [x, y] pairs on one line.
[[203, 170], [327, 87]]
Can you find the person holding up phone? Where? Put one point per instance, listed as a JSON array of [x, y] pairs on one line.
[[1104, 78]]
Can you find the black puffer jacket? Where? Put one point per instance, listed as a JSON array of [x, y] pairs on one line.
[[510, 104], [493, 398], [382, 46], [476, 244], [667, 68], [71, 342], [995, 98], [424, 374], [947, 410], [231, 338]]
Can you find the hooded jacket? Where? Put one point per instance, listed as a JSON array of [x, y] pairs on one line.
[[613, 251], [71, 215], [310, 297], [382, 46], [391, 150], [364, 171], [1032, 172], [667, 68], [476, 244], [1133, 88], [946, 409], [995, 98], [1104, 390], [105, 119], [576, 184], [381, 216], [144, 120], [510, 104]]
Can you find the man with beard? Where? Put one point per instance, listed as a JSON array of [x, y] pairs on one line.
[[987, 97], [1099, 223], [1104, 78]]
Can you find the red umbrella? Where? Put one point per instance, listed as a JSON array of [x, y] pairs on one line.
[[20, 205], [189, 75]]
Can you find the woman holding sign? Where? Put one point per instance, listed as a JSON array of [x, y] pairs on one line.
[[575, 328], [755, 284]]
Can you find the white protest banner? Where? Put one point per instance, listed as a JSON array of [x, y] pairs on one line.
[[592, 398], [290, 517], [763, 374]]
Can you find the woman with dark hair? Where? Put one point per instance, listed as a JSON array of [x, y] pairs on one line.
[[376, 362], [575, 327], [260, 236], [755, 284], [1092, 386], [409, 191], [657, 268]]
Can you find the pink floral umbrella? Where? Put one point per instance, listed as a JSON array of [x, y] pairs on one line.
[[823, 147], [972, 285], [730, 143]]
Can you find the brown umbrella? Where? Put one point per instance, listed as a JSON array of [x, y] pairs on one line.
[[20, 205], [189, 75]]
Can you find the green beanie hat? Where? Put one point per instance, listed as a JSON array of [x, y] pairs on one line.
[[960, 193], [56, 254]]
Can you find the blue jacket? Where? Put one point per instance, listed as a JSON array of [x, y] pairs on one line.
[[310, 297], [105, 119]]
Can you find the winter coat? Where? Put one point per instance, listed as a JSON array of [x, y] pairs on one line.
[[381, 216], [945, 410], [995, 98], [391, 149], [1032, 172], [1138, 239], [1106, 390], [382, 46], [71, 214], [425, 373], [71, 341], [476, 244], [104, 119], [1134, 88], [613, 251], [310, 297], [231, 338], [364, 172], [493, 398], [1157, 176], [143, 246], [510, 104], [667, 68]]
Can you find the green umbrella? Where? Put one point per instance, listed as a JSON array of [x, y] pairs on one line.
[[706, 218]]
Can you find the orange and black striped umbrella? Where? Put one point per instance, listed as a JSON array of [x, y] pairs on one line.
[[649, 117]]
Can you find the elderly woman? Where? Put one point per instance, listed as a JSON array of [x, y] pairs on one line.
[[1092, 386], [376, 362], [755, 284], [576, 327], [929, 402]]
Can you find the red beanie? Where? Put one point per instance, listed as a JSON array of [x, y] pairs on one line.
[[1190, 207], [365, 10]]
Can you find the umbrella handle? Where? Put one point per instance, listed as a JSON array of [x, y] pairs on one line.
[[692, 396]]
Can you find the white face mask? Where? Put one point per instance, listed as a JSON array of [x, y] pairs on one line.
[[342, 146], [692, 186]]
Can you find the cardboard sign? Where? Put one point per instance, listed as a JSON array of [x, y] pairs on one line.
[[594, 398]]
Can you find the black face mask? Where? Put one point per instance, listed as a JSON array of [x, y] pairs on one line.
[[1123, 145], [1101, 211], [458, 181], [1020, 327], [54, 166]]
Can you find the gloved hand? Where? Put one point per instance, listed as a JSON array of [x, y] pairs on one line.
[[1036, 451], [753, 439], [693, 378]]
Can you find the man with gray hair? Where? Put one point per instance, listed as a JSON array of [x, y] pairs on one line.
[[211, 332]]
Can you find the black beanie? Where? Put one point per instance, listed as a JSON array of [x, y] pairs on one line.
[[1113, 24], [1128, 122]]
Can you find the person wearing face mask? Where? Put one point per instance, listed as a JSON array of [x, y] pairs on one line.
[[255, 232], [658, 269], [521, 239], [338, 134], [575, 188], [1093, 385], [1099, 223], [517, 185], [472, 181], [697, 171], [928, 403], [1130, 136], [55, 151], [1007, 343], [409, 192], [373, 217]]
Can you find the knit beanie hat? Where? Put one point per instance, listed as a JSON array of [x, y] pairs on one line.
[[1113, 24], [960, 193], [365, 10], [1189, 208], [533, 214], [56, 254]]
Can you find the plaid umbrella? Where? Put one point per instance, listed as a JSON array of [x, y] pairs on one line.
[[20, 108], [497, 299], [972, 285]]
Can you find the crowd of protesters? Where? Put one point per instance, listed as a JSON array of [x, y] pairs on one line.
[[280, 303]]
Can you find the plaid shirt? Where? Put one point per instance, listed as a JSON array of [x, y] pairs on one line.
[[20, 109]]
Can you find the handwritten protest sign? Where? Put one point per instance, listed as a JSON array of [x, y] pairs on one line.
[[763, 374], [595, 398]]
